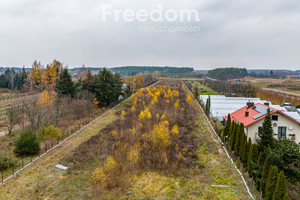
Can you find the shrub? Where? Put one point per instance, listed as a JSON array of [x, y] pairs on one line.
[[27, 144], [5, 162], [49, 132]]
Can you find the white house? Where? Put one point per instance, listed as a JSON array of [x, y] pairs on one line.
[[285, 124]]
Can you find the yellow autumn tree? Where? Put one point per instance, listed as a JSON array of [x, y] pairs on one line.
[[176, 104], [139, 80], [175, 130], [123, 114], [45, 99], [141, 115], [36, 74], [149, 116], [133, 109], [49, 77], [188, 98], [160, 135], [95, 103]]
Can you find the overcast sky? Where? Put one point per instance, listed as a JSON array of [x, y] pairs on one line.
[[235, 33]]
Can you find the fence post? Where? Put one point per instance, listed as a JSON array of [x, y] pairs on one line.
[[13, 170], [22, 162], [2, 176], [46, 148]]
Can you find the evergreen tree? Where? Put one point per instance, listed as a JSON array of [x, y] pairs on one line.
[[246, 152], [261, 159], [271, 183], [237, 140], [65, 85], [266, 133], [88, 81], [207, 106], [22, 79], [281, 188], [227, 128], [108, 87], [233, 136], [257, 171], [5, 162], [284, 154], [27, 145], [264, 177], [243, 140], [286, 197], [252, 159]]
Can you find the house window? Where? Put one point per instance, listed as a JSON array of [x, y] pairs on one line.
[[281, 132], [260, 127], [275, 117]]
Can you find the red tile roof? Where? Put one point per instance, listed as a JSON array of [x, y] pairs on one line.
[[239, 115]]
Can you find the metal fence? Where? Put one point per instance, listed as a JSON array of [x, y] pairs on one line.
[[12, 171], [49, 149]]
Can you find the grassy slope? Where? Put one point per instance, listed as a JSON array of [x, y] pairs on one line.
[[42, 180]]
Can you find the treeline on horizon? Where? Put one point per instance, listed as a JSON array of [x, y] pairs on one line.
[[133, 70], [228, 73]]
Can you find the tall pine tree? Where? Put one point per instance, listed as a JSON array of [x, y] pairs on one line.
[[257, 171], [108, 87], [281, 188], [227, 128], [264, 177], [207, 106], [271, 183], [266, 133], [233, 135], [252, 159], [238, 140], [246, 150], [65, 85], [243, 140]]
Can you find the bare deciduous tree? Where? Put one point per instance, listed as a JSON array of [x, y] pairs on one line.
[[13, 113]]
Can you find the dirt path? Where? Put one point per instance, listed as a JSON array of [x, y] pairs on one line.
[[214, 138], [219, 146]]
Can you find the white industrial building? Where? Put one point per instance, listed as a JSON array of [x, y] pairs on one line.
[[220, 105]]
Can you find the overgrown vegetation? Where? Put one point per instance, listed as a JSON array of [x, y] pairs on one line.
[[156, 150]]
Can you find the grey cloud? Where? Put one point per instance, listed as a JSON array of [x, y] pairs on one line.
[[240, 33]]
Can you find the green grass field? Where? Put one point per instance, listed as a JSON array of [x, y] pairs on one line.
[[201, 87]]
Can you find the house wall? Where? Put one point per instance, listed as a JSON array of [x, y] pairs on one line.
[[252, 130]]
